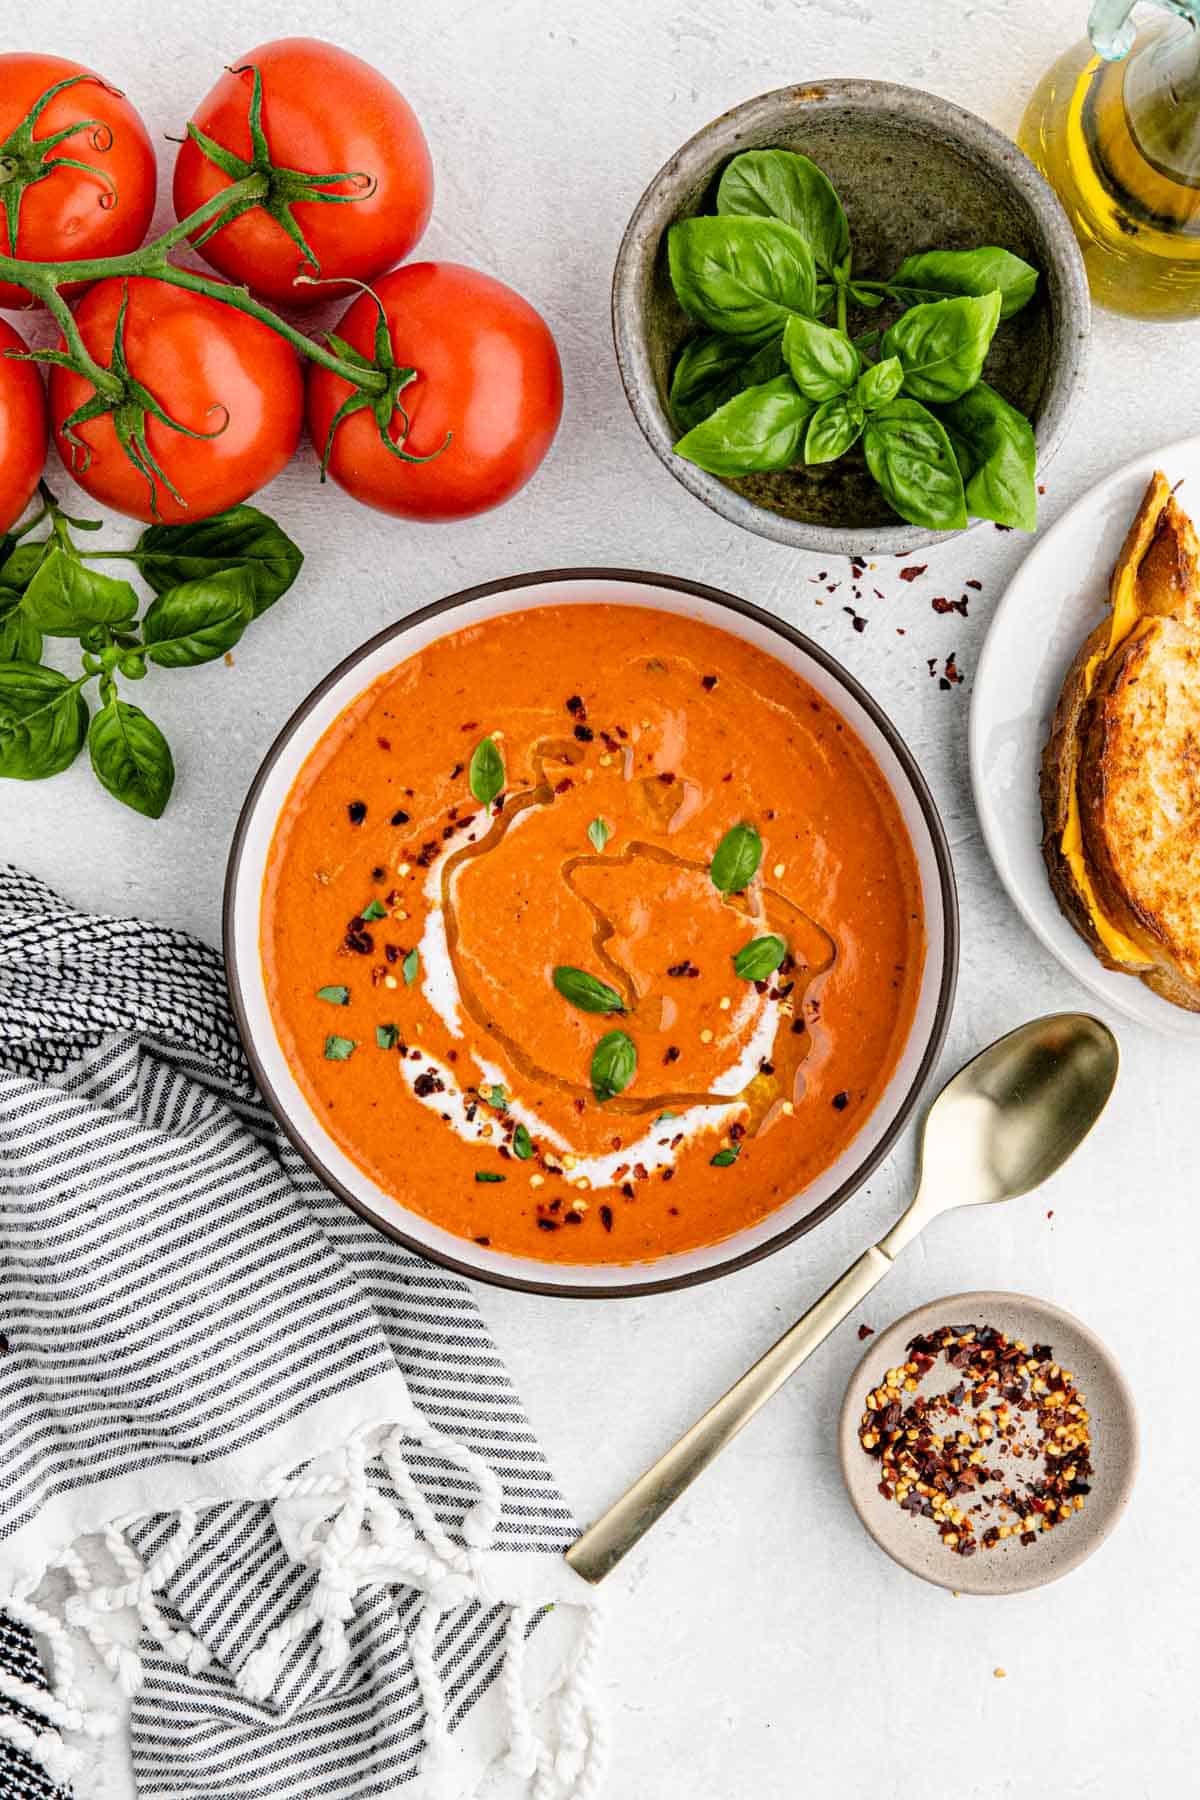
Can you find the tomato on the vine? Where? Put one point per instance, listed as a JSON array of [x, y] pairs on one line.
[[22, 428], [324, 113], [65, 212], [484, 405], [231, 390]]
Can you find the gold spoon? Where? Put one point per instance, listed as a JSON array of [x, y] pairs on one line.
[[1000, 1127]]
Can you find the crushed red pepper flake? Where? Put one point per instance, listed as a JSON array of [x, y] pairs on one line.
[[864, 1332], [912, 571], [708, 683], [934, 1449], [357, 810]]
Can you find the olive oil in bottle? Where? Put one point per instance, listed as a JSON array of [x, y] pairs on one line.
[[1114, 126]]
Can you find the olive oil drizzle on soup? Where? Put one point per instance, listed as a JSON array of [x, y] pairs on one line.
[[592, 933]]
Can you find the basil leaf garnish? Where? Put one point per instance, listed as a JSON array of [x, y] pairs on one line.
[[496, 1097], [712, 369], [822, 362], [760, 957], [131, 757], [522, 1143], [997, 454], [757, 431], [741, 276], [724, 1157], [942, 345], [781, 184], [599, 832], [984, 271], [585, 991], [411, 966], [374, 909], [489, 1175], [835, 425], [199, 620], [339, 1049], [486, 773], [736, 859], [336, 996], [242, 538], [65, 596], [43, 721], [387, 1036], [614, 1065], [910, 456]]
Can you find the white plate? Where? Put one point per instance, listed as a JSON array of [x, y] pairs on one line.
[[1057, 595]]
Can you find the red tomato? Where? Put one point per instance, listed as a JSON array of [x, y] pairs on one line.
[[211, 369], [487, 373], [70, 214], [323, 112], [22, 428]]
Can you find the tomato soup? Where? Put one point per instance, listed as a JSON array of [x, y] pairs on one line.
[[592, 933]]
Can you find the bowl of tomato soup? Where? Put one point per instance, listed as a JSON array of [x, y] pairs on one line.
[[591, 932]]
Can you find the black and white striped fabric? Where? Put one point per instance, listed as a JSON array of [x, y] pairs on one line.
[[293, 1447]]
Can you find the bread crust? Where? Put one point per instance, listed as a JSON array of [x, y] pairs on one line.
[[1088, 746]]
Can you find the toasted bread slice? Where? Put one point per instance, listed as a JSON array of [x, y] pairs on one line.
[[1120, 807]]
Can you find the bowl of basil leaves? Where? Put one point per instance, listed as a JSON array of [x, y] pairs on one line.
[[852, 317]]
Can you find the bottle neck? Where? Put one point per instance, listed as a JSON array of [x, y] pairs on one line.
[[1162, 98]]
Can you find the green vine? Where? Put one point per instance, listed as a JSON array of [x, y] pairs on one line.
[[376, 381]]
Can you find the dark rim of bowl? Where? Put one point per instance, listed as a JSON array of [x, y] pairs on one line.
[[933, 823], [1065, 275]]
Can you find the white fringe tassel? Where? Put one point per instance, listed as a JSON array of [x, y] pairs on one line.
[[334, 1520]]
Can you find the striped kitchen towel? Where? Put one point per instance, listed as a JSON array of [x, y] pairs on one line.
[[229, 1410]]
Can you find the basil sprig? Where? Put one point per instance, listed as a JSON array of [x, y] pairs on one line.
[[210, 579], [486, 771], [614, 1065], [769, 386], [736, 859]]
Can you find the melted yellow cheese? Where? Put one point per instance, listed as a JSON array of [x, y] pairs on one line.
[[1124, 622]]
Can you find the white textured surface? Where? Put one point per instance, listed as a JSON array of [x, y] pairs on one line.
[[761, 1646]]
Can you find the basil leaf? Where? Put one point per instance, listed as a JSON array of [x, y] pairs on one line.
[[756, 431], [199, 620], [599, 832], [833, 428], [910, 456], [942, 345], [374, 909], [585, 991], [522, 1143], [614, 1065], [131, 757], [736, 859], [339, 1049], [880, 383], [985, 271], [20, 639], [242, 538], [997, 453], [489, 1175], [387, 1036], [780, 184], [724, 1157], [43, 721], [65, 597], [496, 1097], [759, 958], [486, 773], [712, 369], [22, 564], [411, 966], [823, 362], [336, 996], [741, 276]]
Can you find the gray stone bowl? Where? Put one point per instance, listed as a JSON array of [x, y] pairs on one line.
[[914, 172]]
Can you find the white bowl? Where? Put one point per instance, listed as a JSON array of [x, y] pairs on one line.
[[557, 587]]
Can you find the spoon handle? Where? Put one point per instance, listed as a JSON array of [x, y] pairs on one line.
[[614, 1534]]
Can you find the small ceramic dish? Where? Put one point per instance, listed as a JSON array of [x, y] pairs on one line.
[[1010, 1566], [914, 172]]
